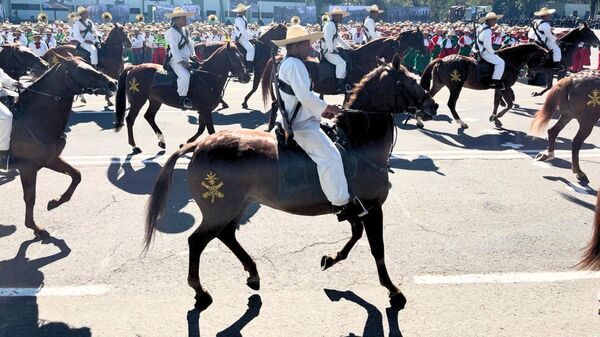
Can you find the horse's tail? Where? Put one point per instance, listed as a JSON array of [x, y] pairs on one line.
[[121, 99], [160, 193], [591, 256], [266, 81], [542, 117], [428, 75]]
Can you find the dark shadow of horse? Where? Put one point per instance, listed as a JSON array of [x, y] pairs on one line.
[[7, 230], [247, 120], [578, 189], [101, 119], [19, 316], [235, 329]]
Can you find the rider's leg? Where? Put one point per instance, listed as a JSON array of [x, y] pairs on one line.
[[183, 83], [556, 56], [93, 52], [340, 69], [5, 130], [498, 69], [249, 52]]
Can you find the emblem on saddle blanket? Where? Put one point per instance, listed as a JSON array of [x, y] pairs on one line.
[[212, 185], [455, 76], [594, 98], [134, 85]]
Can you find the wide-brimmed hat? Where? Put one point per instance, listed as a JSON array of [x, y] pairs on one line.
[[178, 12], [80, 10], [297, 33], [338, 11], [241, 8], [374, 8], [325, 18], [544, 11], [490, 16]]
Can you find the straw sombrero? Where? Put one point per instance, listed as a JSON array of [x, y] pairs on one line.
[[80, 10], [240, 8], [544, 11], [490, 16], [177, 12], [338, 11], [325, 18], [297, 33], [374, 8]]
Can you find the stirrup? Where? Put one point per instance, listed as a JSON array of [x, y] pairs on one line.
[[187, 103]]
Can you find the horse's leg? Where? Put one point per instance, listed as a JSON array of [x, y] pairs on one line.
[[357, 231], [508, 96], [197, 242], [549, 80], [201, 127], [373, 223], [208, 120], [553, 132], [134, 109], [454, 93], [108, 102], [435, 88], [497, 101], [255, 83], [150, 116], [60, 166], [227, 236], [29, 181], [585, 128]]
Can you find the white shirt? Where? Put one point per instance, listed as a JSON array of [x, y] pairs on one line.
[[22, 40], [79, 28], [241, 28], [173, 37], [51, 42], [544, 30], [137, 41], [150, 40], [331, 39], [39, 52], [484, 36], [8, 83], [370, 31], [293, 72]]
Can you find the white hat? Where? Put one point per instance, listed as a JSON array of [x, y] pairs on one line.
[[490, 16], [297, 33], [240, 8], [177, 12], [338, 11], [80, 10], [544, 11], [374, 8]]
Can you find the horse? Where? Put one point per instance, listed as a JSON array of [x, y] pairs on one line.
[[110, 54], [231, 168], [578, 97], [206, 92], [264, 49], [591, 256], [457, 71], [568, 44], [41, 114], [17, 61]]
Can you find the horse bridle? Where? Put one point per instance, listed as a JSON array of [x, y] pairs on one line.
[[20, 64]]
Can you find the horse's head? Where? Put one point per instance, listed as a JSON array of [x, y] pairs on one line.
[[236, 62], [276, 32], [118, 35], [587, 36], [411, 38], [21, 60], [80, 77]]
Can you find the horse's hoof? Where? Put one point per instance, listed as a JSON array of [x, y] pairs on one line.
[[497, 123], [52, 204], [203, 301], [464, 126], [225, 106], [420, 125], [41, 233], [544, 156], [582, 177], [398, 301], [118, 127], [109, 103], [244, 105], [492, 118], [326, 262], [253, 282], [162, 145], [136, 150]]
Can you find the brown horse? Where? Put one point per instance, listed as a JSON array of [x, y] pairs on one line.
[[231, 168], [42, 112], [17, 61], [576, 97], [206, 90], [456, 72], [591, 256], [568, 44]]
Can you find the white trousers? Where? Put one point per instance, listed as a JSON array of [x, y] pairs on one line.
[[556, 53], [249, 48], [497, 62], [328, 159], [340, 64], [6, 119], [183, 78], [93, 52]]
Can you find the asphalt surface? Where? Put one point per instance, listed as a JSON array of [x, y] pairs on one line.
[[471, 204]]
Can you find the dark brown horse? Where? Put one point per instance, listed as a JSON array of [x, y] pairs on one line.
[[43, 110], [568, 44], [456, 72], [206, 90], [576, 97], [17, 61], [591, 256], [231, 168]]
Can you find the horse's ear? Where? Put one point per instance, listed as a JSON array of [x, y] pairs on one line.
[[396, 62]]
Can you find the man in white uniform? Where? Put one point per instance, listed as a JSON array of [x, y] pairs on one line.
[[486, 50], [37, 46], [180, 51], [49, 39], [541, 31], [6, 118], [85, 33], [370, 31], [243, 35], [294, 88], [329, 44]]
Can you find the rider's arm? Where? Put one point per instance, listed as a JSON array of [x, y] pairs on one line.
[[172, 38], [76, 33], [545, 27], [328, 33], [7, 81], [486, 37], [343, 43], [297, 75]]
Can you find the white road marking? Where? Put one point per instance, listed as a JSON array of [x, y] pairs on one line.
[[512, 145], [545, 277], [89, 290], [491, 132]]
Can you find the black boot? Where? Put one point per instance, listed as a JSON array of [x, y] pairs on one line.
[[342, 86], [250, 66], [4, 158], [352, 210], [558, 66], [186, 102]]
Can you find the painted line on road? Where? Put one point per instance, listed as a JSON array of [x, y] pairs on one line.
[[89, 290], [546, 277]]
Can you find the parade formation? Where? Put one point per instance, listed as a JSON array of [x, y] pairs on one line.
[[337, 104]]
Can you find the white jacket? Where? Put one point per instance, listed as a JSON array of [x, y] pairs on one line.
[[484, 39], [79, 29], [544, 30], [332, 39], [173, 37], [241, 29], [370, 31]]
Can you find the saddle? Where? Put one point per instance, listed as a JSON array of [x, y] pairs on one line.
[[298, 176], [83, 53], [198, 78], [484, 70], [327, 69]]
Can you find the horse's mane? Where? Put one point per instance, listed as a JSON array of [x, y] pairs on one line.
[[372, 44], [218, 51], [368, 85], [569, 35], [267, 36]]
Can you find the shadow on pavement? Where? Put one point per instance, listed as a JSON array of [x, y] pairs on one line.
[[580, 187], [247, 120], [7, 230], [374, 324], [422, 163], [104, 120], [235, 329], [578, 201], [8, 177], [19, 316]]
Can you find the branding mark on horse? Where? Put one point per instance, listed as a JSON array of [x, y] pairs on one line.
[[594, 98], [212, 184], [54, 60], [455, 76], [134, 85]]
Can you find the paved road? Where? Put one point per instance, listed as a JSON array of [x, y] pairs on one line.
[[482, 238]]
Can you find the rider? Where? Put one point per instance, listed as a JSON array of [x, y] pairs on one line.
[[179, 52], [485, 49], [85, 33], [295, 89], [541, 31], [329, 43], [369, 24], [6, 118], [243, 35]]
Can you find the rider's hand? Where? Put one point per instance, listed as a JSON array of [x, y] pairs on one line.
[[18, 85], [331, 111]]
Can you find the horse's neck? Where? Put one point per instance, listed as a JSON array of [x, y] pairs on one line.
[[371, 134], [215, 66]]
